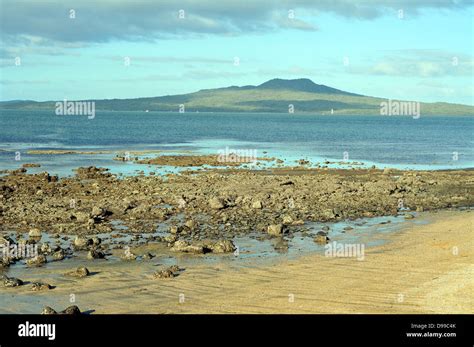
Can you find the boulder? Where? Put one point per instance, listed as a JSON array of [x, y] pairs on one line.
[[321, 238], [222, 246], [59, 255], [164, 274], [95, 254], [34, 233], [175, 229], [45, 248], [48, 310], [6, 240], [97, 212], [275, 229], [39, 260], [11, 281], [148, 256], [82, 242], [79, 272], [72, 310], [287, 220], [170, 238], [216, 203], [96, 241], [190, 224], [186, 247], [38, 286], [129, 256]]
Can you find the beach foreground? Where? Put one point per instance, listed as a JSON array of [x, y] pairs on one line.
[[240, 241], [424, 269]]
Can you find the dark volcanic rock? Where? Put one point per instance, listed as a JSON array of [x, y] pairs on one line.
[[11, 281], [79, 272], [48, 310], [38, 286]]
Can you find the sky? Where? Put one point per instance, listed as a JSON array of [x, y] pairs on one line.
[[59, 49]]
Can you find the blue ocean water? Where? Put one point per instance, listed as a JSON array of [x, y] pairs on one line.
[[430, 142]]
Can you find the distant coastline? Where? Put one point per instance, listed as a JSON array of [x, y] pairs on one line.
[[298, 96]]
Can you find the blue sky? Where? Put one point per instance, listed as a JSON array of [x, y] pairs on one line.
[[358, 46]]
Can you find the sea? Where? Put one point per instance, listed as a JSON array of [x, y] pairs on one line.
[[401, 142]]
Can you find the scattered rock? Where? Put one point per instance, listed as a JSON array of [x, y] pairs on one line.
[[170, 272], [275, 229], [45, 248], [186, 247], [48, 310], [71, 310], [31, 165], [175, 268], [11, 281], [287, 220], [171, 238], [303, 162], [321, 238], [129, 256], [97, 212], [59, 255], [190, 224], [281, 245], [222, 246], [164, 274], [34, 233], [6, 240], [216, 203], [298, 222], [5, 262], [95, 254], [39, 260], [175, 229], [38, 286], [96, 241], [148, 256], [81, 243], [80, 272]]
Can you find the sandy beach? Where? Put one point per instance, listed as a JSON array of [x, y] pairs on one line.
[[423, 269], [238, 241]]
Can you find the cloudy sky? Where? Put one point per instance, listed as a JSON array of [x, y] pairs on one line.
[[406, 49]]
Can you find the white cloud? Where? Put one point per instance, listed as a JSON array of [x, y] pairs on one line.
[[419, 63], [106, 20]]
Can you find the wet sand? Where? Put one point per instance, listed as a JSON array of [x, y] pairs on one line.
[[417, 271]]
